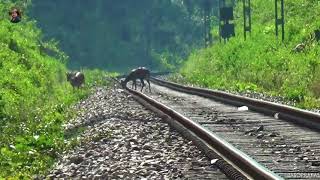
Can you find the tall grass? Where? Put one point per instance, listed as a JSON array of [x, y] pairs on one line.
[[34, 98], [262, 62]]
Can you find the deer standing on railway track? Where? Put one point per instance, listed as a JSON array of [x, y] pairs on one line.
[[139, 73]]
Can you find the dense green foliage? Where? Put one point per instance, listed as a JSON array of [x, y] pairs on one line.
[[111, 34], [34, 98], [34, 95], [262, 62], [108, 34]]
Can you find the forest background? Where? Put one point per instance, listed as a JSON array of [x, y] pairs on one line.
[[104, 36]]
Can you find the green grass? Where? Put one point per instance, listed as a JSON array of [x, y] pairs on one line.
[[34, 99], [263, 63]]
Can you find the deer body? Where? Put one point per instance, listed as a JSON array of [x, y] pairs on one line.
[[76, 79], [140, 73]]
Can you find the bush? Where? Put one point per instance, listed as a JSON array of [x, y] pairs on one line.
[[34, 99], [263, 63]]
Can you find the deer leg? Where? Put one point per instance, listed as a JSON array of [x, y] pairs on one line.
[[142, 82], [149, 84], [134, 83]]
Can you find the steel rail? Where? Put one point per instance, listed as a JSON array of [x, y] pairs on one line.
[[306, 118], [244, 163], [151, 74]]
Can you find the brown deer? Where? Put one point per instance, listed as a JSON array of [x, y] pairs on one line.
[[76, 79], [139, 73]]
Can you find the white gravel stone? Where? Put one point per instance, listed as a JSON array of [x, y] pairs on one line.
[[123, 140]]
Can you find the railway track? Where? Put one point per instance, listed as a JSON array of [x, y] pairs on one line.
[[287, 148]]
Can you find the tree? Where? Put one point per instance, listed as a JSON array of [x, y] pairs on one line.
[[120, 34]]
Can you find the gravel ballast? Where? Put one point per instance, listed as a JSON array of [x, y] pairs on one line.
[[123, 140]]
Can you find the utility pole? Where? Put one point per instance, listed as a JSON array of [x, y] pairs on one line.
[[246, 17], [207, 7], [279, 21], [219, 5]]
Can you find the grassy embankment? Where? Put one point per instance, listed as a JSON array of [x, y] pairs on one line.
[[34, 98], [263, 63]]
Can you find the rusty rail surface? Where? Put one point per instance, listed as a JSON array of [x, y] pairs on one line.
[[306, 118]]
